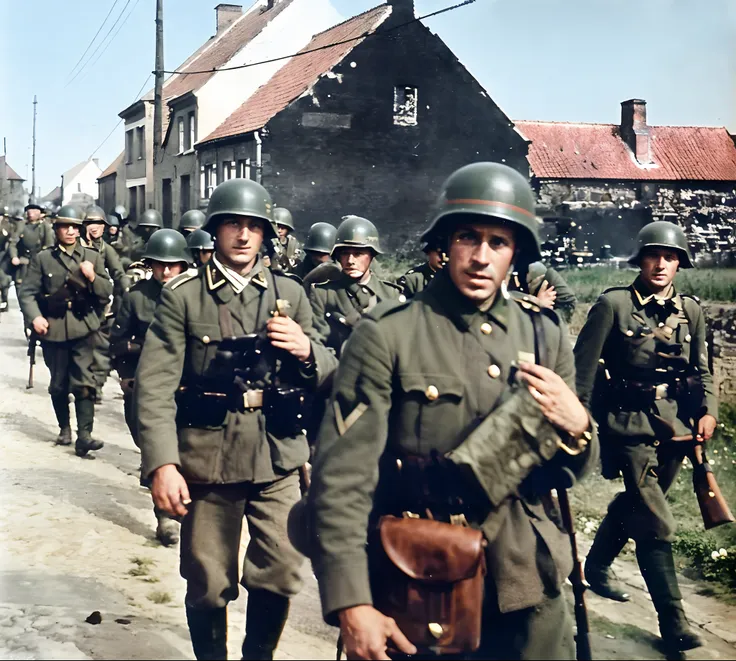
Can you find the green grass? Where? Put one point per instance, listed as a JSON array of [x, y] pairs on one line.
[[159, 597], [142, 566]]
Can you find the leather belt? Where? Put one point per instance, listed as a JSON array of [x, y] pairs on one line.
[[252, 399]]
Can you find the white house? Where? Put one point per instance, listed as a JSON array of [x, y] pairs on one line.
[[80, 183]]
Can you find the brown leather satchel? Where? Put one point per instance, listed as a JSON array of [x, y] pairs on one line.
[[428, 576]]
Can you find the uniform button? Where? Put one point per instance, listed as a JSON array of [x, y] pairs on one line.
[[688, 337], [660, 324], [656, 444], [365, 290], [402, 299], [486, 329], [206, 339], [629, 333], [432, 393], [494, 371]]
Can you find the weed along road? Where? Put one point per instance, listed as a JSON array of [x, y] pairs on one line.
[[82, 575]]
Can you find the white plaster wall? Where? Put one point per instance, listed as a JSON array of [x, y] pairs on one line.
[[288, 33], [88, 180]]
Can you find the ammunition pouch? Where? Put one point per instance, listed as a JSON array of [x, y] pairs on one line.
[[125, 348], [628, 395], [72, 296], [286, 411]]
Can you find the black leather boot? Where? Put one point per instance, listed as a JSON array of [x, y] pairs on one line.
[[85, 407], [61, 409], [658, 569], [607, 545], [208, 631], [265, 619]]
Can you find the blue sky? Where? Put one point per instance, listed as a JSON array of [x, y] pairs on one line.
[[563, 60]]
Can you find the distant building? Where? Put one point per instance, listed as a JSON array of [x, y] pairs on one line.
[[12, 193], [112, 185], [79, 185]]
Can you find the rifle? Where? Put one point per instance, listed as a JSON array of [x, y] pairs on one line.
[[713, 506], [582, 638], [32, 342]]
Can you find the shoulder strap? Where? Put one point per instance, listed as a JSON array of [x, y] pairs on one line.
[[541, 350]]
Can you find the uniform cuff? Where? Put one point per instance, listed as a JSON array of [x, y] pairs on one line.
[[157, 454], [343, 583]]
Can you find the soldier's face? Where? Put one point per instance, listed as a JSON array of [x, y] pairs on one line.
[[658, 268], [283, 231], [355, 262], [66, 235], [480, 256], [239, 241], [163, 272], [205, 256], [33, 215], [95, 230], [434, 257], [113, 230]]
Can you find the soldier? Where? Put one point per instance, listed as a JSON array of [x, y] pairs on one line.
[[32, 236], [60, 299], [651, 340], [547, 285], [201, 246], [317, 248], [415, 379], [339, 304], [112, 231], [7, 233], [167, 256], [190, 221], [417, 278], [289, 251], [95, 222], [219, 397], [147, 224]]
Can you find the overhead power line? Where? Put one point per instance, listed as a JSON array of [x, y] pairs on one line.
[[365, 35], [102, 25]]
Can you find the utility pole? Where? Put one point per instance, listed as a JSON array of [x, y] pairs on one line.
[[33, 158], [158, 110]]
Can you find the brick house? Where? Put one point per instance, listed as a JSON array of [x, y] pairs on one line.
[[370, 126], [611, 179]]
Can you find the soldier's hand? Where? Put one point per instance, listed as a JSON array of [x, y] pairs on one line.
[[366, 632], [88, 270], [286, 334], [706, 427], [15, 261], [559, 404], [40, 326], [547, 295], [169, 490]]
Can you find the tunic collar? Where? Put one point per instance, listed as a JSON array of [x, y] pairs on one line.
[[218, 275], [463, 311]]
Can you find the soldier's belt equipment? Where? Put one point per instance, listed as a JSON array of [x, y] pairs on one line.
[[125, 348], [72, 295]]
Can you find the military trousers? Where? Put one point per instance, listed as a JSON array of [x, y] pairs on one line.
[[210, 541], [70, 364], [5, 281], [641, 512], [101, 365]]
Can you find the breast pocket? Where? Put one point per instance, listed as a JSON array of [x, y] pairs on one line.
[[639, 342], [430, 410], [202, 341]]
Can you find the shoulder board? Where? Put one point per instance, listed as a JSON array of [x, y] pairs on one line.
[[386, 308], [288, 276], [180, 279], [410, 271], [392, 284], [690, 297], [47, 248], [530, 304], [612, 289]]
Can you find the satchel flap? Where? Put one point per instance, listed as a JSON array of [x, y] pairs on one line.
[[431, 550]]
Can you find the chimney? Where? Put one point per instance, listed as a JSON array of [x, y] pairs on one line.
[[634, 129], [227, 15], [403, 10]]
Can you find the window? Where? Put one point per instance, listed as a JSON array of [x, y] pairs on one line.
[[141, 198], [133, 202], [184, 194], [141, 138], [228, 170], [209, 173], [244, 169], [181, 135], [192, 131], [405, 106], [129, 135]]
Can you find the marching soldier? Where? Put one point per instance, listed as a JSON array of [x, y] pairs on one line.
[[317, 248], [167, 256], [6, 238], [219, 394], [415, 380], [112, 231], [32, 236], [95, 223], [417, 278], [289, 251], [339, 304], [60, 298], [190, 221], [135, 242], [547, 285], [655, 395], [201, 246]]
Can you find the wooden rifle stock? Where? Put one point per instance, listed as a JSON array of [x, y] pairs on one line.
[[713, 506], [32, 341]]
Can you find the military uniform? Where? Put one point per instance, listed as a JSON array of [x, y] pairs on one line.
[[416, 279], [320, 241], [528, 279], [231, 450], [414, 378], [6, 239], [30, 238], [653, 385], [73, 314]]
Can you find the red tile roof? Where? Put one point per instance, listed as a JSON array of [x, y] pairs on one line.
[[10, 174], [113, 167], [299, 74], [596, 151]]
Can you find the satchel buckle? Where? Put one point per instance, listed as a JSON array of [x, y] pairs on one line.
[[253, 399], [410, 515], [661, 391], [459, 520]]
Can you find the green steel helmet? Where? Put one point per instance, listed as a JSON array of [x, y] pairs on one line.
[[95, 214], [488, 190], [240, 197], [68, 215], [321, 238], [169, 246], [192, 220], [282, 216], [357, 232], [663, 234], [200, 240], [112, 220], [150, 218]]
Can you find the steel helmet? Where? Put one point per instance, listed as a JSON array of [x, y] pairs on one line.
[[68, 215], [282, 216], [663, 234], [200, 240], [321, 238], [488, 190], [112, 220], [150, 218], [240, 197], [357, 232], [192, 220], [95, 214], [169, 246]]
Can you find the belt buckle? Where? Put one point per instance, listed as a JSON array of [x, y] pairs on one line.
[[661, 391], [253, 399]]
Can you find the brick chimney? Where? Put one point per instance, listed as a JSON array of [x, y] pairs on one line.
[[402, 9], [634, 129], [227, 15]]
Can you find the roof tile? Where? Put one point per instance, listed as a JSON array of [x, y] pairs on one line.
[[10, 174]]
